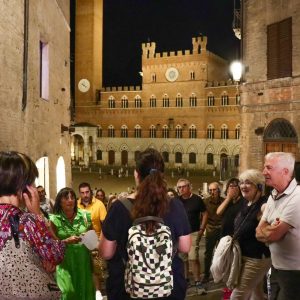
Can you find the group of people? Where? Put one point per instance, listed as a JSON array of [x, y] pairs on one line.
[[43, 255]]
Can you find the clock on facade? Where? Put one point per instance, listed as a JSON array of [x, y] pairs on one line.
[[172, 74], [84, 85]]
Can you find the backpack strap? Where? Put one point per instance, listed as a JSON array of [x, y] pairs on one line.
[[148, 218], [127, 203]]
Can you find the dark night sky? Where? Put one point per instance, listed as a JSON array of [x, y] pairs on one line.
[[169, 23]]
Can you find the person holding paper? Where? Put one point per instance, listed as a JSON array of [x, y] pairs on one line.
[[69, 223]]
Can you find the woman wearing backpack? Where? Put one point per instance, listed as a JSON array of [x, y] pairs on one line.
[[150, 199]]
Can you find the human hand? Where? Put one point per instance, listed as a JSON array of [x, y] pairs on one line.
[[32, 200], [72, 239], [48, 266]]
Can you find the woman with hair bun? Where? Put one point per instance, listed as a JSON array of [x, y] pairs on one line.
[[150, 199]]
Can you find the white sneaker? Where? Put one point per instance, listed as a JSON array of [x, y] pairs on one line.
[[99, 295]]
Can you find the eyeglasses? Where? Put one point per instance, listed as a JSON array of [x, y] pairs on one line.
[[233, 185], [246, 182], [182, 186], [211, 190]]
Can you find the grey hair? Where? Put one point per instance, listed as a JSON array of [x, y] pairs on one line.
[[253, 175], [184, 180], [285, 160]]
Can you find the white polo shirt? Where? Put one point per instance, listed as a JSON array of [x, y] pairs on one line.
[[285, 253]]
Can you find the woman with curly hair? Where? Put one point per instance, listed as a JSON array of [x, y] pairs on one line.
[[151, 199]]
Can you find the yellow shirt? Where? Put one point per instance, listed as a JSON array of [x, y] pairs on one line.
[[98, 213]]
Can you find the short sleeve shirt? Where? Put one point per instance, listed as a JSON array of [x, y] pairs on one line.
[[193, 207], [115, 228], [98, 213], [285, 252]]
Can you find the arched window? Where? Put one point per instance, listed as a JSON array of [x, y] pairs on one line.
[[136, 155], [137, 131], [192, 75], [210, 100], [178, 132], [124, 102], [237, 131], [224, 99], [210, 132], [153, 77], [192, 158], [193, 100], [111, 131], [111, 102], [165, 132], [193, 132], [224, 132], [179, 101], [152, 131], [137, 102], [210, 159], [166, 101], [99, 154], [237, 99], [178, 157], [165, 156], [124, 131], [99, 132], [152, 101]]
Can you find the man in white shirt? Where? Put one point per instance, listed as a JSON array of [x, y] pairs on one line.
[[280, 223]]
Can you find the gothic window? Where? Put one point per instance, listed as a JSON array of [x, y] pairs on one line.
[[111, 131], [165, 156], [99, 155], [99, 132], [178, 157], [192, 75], [152, 132], [224, 100], [137, 131], [124, 131], [193, 100], [137, 102], [280, 129], [165, 132], [179, 101], [210, 100], [193, 132], [192, 158], [237, 131], [178, 132], [111, 102], [166, 101], [279, 49], [210, 132], [124, 102], [136, 155], [224, 132], [210, 159], [237, 99], [152, 101], [153, 77]]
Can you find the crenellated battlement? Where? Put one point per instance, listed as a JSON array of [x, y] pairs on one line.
[[122, 88], [219, 83], [199, 46]]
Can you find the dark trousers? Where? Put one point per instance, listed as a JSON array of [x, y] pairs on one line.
[[285, 284], [211, 239]]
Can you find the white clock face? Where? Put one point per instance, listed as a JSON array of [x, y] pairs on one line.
[[172, 74], [84, 85]]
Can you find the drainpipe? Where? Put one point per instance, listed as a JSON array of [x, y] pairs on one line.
[[25, 54]]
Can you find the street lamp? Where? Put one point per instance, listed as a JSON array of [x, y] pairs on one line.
[[236, 69]]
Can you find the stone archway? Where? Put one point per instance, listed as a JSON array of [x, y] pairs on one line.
[[280, 136]]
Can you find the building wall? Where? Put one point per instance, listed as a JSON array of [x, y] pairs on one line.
[[35, 130], [210, 78], [263, 100]]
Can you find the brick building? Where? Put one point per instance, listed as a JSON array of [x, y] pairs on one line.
[[35, 86], [270, 103], [187, 107]]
